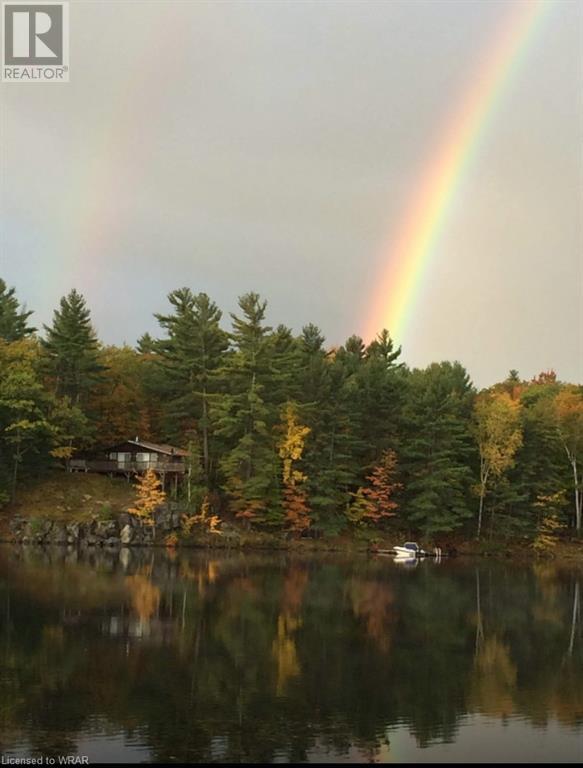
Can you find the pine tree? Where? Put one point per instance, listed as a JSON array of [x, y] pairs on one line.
[[282, 351], [381, 382], [191, 357], [437, 449], [246, 421], [13, 319], [328, 398], [146, 345], [71, 349]]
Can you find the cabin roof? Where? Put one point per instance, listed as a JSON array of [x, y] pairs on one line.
[[165, 448]]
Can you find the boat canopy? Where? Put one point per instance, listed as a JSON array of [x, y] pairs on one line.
[[411, 545]]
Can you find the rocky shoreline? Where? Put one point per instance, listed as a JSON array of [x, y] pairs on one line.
[[122, 529]]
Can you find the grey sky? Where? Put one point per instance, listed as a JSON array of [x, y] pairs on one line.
[[274, 146]]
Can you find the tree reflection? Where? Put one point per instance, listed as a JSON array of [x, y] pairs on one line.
[[249, 657]]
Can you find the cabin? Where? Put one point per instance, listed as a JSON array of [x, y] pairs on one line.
[[134, 457]]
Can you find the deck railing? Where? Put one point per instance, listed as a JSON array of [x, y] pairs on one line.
[[97, 465]]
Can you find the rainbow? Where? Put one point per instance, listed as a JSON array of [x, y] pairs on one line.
[[410, 252]]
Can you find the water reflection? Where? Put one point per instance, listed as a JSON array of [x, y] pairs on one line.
[[151, 655]]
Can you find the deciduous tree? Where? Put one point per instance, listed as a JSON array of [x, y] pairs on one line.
[[499, 435], [569, 421], [375, 501], [291, 449], [149, 496]]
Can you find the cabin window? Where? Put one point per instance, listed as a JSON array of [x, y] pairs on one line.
[[147, 458], [115, 456]]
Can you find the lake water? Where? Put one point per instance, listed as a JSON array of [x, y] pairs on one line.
[[146, 655]]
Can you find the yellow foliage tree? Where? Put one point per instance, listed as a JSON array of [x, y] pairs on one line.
[[291, 448], [203, 518], [150, 495], [549, 525], [499, 435]]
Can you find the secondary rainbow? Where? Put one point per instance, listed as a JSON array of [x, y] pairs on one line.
[[411, 251]]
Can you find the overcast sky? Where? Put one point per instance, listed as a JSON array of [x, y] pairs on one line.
[[274, 146]]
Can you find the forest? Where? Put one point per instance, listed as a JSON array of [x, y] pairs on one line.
[[288, 435]]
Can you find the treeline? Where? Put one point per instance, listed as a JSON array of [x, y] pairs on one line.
[[288, 434]]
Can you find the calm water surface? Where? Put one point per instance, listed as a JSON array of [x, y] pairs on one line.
[[140, 656]]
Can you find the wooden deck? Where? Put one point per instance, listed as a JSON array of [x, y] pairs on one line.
[[125, 468]]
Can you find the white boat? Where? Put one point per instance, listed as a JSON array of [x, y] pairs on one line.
[[409, 549], [410, 562]]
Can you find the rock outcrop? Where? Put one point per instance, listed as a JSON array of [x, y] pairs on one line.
[[122, 530]]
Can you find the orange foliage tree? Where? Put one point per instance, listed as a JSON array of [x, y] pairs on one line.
[[375, 502], [150, 495], [204, 518]]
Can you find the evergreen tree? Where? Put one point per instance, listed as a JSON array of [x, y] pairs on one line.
[[146, 344], [191, 356], [437, 448], [381, 381], [71, 349], [283, 379], [335, 443], [13, 319], [246, 422]]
